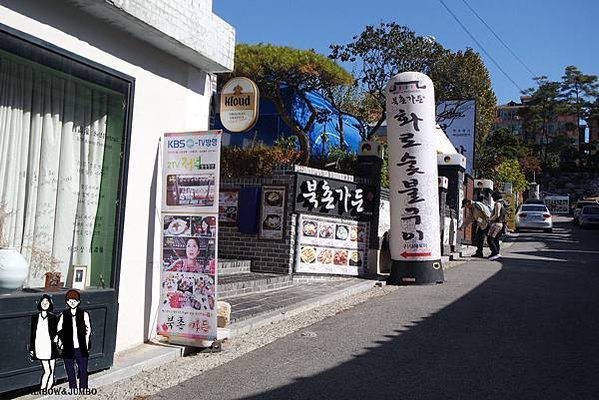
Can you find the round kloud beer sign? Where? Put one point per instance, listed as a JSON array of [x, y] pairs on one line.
[[239, 104]]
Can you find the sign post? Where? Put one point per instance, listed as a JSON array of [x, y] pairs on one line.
[[413, 178]]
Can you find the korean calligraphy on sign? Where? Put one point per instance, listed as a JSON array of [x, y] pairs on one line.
[[332, 197], [457, 118], [413, 168]]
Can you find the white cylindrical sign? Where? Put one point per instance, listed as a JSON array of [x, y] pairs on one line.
[[415, 235], [239, 100]]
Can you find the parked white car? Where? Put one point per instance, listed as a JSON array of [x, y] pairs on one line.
[[589, 216], [534, 216]]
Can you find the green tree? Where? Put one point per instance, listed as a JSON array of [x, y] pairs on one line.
[[499, 147], [578, 92], [462, 75], [542, 109], [381, 51], [509, 170], [300, 71]]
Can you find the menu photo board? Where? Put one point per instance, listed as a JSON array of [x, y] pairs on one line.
[[228, 207], [188, 296], [272, 217], [188, 277], [331, 246]]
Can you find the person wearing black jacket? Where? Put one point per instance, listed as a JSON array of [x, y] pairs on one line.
[[74, 330], [41, 341]]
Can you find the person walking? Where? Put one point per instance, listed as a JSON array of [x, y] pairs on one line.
[[479, 212], [41, 344], [74, 330], [497, 224]]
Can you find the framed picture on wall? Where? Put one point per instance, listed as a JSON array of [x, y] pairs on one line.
[[79, 276], [228, 207], [272, 216]]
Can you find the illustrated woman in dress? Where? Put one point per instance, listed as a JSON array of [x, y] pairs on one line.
[[43, 332]]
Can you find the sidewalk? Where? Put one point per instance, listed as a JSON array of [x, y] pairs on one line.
[[249, 312]]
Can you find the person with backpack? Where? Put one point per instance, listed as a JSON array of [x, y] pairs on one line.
[[497, 225], [479, 212]]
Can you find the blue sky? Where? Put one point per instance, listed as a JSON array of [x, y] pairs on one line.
[[546, 35]]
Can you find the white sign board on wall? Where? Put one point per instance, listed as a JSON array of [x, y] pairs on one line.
[[457, 118]]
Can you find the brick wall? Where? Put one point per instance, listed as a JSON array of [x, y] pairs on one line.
[[266, 255], [270, 255]]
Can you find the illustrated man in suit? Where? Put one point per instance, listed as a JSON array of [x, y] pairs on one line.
[[74, 330]]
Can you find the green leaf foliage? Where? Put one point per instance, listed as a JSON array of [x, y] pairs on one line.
[[384, 50], [509, 171], [259, 160]]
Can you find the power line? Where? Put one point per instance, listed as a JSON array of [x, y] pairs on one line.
[[481, 46], [498, 38]]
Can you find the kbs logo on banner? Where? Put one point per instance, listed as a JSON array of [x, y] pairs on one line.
[[191, 143]]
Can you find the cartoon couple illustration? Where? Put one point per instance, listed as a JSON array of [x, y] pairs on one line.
[[66, 336]]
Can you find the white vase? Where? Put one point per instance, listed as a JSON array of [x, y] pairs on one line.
[[13, 269]]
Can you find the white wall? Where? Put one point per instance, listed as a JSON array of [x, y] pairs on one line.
[[170, 96]]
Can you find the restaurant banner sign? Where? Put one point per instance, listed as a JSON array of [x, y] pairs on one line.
[[187, 309], [325, 196]]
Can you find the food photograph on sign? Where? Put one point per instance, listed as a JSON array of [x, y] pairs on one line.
[[184, 290], [328, 245], [190, 190], [273, 213], [228, 207]]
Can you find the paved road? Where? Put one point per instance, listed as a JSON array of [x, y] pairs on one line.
[[523, 328]]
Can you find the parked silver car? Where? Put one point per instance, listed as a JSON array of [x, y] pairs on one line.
[[589, 216], [534, 216], [579, 205]]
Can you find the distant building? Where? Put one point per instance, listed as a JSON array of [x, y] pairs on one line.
[[509, 116]]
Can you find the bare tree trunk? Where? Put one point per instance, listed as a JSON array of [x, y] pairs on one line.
[[302, 136]]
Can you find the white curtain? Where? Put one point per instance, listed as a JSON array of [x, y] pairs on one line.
[[52, 131]]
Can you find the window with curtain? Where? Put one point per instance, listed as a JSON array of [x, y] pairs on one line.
[[61, 141]]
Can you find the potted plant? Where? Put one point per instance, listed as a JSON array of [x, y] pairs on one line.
[[44, 264], [13, 266]]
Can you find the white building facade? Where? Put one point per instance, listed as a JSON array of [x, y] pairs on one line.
[[137, 69]]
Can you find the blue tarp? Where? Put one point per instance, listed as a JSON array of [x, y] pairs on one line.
[[324, 133]]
